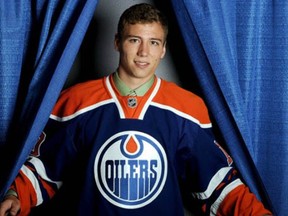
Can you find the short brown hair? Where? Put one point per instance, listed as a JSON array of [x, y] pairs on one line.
[[142, 13]]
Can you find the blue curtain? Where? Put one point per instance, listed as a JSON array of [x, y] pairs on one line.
[[39, 40], [239, 50]]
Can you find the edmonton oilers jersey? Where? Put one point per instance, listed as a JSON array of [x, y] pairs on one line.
[[107, 154]]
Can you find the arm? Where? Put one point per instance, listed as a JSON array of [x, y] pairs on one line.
[[41, 175], [216, 186], [209, 173], [32, 184], [28, 190]]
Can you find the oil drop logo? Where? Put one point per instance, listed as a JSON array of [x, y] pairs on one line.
[[130, 169]]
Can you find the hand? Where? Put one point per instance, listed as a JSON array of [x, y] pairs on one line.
[[10, 206]]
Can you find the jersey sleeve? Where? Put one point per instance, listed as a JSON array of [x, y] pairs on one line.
[[43, 172], [31, 189], [56, 151], [241, 201], [215, 185], [210, 178]]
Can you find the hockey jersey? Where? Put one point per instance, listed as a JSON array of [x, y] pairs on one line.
[[106, 154]]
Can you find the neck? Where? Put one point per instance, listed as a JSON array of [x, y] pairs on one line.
[[125, 90], [133, 82]]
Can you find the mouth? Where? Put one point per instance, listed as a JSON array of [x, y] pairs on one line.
[[141, 64]]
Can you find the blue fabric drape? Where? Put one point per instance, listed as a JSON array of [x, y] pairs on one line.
[[239, 51], [39, 41]]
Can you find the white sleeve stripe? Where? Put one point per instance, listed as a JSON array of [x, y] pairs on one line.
[[42, 172], [213, 184], [215, 206], [29, 174], [34, 181]]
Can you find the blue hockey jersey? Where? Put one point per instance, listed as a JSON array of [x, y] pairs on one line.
[[106, 154]]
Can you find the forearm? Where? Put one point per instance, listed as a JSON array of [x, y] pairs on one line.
[[29, 189]]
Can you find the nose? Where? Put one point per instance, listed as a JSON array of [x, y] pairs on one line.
[[143, 49]]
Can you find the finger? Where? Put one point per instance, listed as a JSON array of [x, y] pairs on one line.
[[14, 210]]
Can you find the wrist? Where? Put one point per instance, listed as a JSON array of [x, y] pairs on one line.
[[11, 192]]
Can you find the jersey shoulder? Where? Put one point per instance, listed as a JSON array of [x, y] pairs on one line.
[[81, 96], [183, 101]]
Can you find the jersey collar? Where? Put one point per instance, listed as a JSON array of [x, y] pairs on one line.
[[125, 90]]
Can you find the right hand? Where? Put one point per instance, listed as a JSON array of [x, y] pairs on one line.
[[10, 206]]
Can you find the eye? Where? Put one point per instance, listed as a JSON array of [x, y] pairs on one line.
[[155, 43], [134, 40]]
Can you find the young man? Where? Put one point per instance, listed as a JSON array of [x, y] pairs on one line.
[[130, 143]]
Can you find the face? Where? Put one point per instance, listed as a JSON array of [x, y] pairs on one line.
[[141, 48]]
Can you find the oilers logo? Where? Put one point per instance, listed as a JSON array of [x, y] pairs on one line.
[[130, 169]]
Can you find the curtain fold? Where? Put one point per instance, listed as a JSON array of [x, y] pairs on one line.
[[39, 41], [218, 40]]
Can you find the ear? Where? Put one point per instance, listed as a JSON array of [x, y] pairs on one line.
[[116, 42], [163, 50]]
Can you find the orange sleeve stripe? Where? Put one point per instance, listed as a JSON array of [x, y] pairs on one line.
[[241, 201], [26, 193]]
